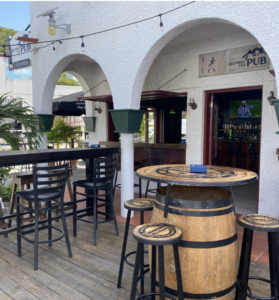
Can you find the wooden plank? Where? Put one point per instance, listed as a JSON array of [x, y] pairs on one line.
[[56, 263], [39, 290], [14, 290], [64, 290]]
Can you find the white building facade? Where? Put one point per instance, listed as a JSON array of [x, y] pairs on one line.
[[143, 57]]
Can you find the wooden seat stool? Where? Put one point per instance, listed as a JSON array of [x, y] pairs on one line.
[[157, 235], [141, 205], [271, 226], [21, 179]]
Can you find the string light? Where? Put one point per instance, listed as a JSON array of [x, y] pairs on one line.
[[102, 31], [82, 44], [53, 48], [161, 23]]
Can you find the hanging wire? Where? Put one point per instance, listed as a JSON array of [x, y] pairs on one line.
[[117, 27], [104, 80], [172, 79]]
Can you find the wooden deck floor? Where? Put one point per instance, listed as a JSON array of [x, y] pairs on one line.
[[90, 274]]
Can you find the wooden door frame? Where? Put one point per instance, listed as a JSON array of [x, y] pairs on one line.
[[206, 112]]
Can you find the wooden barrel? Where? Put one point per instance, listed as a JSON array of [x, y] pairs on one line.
[[209, 248]]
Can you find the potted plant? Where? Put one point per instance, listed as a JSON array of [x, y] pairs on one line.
[[63, 132]]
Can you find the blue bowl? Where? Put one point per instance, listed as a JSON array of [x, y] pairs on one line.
[[95, 146]]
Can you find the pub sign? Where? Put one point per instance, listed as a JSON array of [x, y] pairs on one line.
[[245, 59]]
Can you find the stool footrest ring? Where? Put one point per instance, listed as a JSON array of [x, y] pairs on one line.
[[129, 263], [256, 297], [154, 294]]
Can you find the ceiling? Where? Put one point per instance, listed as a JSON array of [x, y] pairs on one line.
[[204, 31]]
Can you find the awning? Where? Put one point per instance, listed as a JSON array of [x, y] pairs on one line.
[[69, 105], [146, 95]]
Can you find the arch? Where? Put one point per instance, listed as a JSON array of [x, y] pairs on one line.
[[158, 45], [65, 65]]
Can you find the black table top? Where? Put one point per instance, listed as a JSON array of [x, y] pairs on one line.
[[23, 157]]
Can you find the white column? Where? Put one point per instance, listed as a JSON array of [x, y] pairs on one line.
[[127, 170]]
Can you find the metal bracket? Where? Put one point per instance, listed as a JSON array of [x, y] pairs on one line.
[[271, 97]]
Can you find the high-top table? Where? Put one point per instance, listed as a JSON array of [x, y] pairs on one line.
[[23, 157], [205, 213]]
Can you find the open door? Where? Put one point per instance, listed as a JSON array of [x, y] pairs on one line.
[[213, 130]]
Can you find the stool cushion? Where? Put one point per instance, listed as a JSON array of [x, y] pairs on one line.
[[139, 204], [259, 222], [157, 234], [44, 194], [89, 184]]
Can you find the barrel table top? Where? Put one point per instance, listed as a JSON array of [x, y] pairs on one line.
[[180, 175]]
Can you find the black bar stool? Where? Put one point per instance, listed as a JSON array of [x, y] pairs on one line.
[[104, 173], [51, 192], [271, 226], [158, 235], [153, 157], [141, 205]]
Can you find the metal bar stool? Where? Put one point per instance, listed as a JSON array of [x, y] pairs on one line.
[[137, 165], [22, 179], [104, 173], [158, 235], [153, 157], [271, 226], [53, 196], [141, 205]]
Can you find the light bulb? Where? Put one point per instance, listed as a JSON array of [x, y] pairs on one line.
[[51, 30], [161, 24], [82, 47]]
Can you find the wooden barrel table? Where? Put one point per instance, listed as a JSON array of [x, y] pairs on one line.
[[205, 213], [209, 249]]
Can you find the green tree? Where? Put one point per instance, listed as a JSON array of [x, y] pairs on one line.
[[62, 132], [4, 32], [63, 80], [17, 109]]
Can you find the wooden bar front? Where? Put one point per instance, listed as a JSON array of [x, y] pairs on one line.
[[172, 153]]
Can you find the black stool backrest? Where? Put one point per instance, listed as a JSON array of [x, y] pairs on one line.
[[154, 156], [254, 149], [52, 181], [104, 170]]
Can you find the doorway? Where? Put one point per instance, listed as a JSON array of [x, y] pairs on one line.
[[232, 137]]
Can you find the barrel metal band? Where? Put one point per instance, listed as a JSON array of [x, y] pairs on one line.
[[207, 245], [199, 296], [195, 204], [191, 213]]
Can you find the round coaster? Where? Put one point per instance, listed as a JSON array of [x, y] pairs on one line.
[[139, 204], [157, 234], [259, 222]]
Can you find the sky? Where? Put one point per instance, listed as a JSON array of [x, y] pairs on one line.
[[14, 14]]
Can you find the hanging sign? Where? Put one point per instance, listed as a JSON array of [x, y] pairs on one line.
[[20, 55], [245, 59]]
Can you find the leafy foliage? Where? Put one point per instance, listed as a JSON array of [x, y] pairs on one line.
[[63, 80], [17, 109], [62, 132], [6, 191], [4, 32]]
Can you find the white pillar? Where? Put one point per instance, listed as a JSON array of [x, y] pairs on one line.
[[127, 170]]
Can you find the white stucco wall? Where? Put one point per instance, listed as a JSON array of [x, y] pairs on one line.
[[126, 55]]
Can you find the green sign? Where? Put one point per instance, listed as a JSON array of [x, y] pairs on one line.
[[246, 108]]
